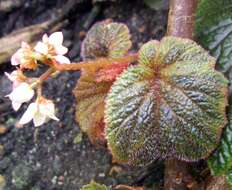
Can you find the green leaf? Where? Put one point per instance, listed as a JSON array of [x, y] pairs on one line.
[[106, 39], [229, 178], [214, 30], [94, 186], [221, 160], [172, 104]]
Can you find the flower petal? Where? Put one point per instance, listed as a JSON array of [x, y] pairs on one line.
[[48, 109], [16, 105], [56, 38], [15, 60], [39, 119], [13, 76], [62, 59], [45, 38], [29, 113], [22, 93], [25, 45], [8, 76], [41, 48], [60, 50]]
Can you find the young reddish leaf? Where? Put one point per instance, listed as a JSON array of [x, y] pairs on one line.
[[90, 107], [90, 91], [110, 72], [106, 39], [172, 104]]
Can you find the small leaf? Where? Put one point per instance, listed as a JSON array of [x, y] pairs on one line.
[[90, 91], [90, 108], [214, 30], [94, 186], [106, 39], [221, 160], [171, 105]]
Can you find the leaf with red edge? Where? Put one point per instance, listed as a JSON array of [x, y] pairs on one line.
[[90, 91], [106, 39], [171, 105], [90, 107]]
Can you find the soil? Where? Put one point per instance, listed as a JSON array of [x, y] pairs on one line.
[[57, 156]]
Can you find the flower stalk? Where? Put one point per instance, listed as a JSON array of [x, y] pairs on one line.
[[100, 62]]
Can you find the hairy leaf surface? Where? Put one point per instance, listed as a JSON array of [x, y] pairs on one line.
[[221, 160], [172, 104], [106, 39], [90, 91], [90, 96]]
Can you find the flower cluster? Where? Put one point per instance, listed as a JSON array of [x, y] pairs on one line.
[[23, 87], [39, 111], [52, 48]]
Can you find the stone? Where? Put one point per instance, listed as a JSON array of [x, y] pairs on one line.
[[2, 182], [22, 176]]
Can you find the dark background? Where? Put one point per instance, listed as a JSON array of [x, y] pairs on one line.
[[56, 156]]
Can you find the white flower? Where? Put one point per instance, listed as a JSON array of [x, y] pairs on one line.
[[24, 58], [62, 59], [20, 94], [16, 77], [52, 47], [39, 111]]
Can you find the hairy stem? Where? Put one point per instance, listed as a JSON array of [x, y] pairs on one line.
[[98, 63], [181, 18], [181, 22]]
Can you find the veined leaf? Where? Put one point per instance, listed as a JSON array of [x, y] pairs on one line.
[[110, 72], [214, 30], [106, 39], [94, 186], [90, 106], [90, 91], [221, 160], [172, 104]]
